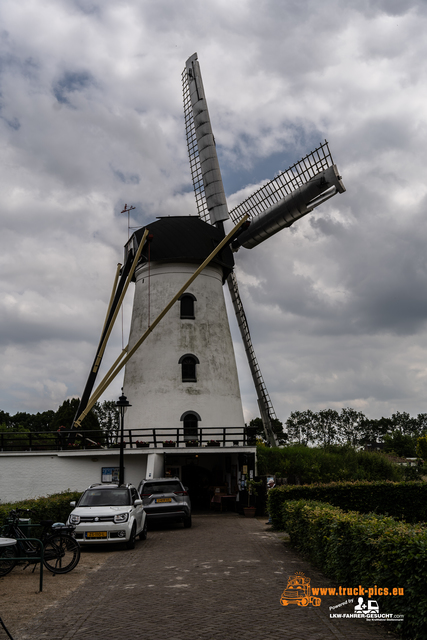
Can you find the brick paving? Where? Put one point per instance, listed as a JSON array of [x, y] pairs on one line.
[[221, 579]]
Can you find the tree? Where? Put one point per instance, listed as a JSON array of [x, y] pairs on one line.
[[402, 444], [350, 426], [403, 423], [34, 422], [421, 424], [421, 448], [6, 429], [4, 418], [300, 426], [255, 430], [374, 430], [326, 426], [64, 416], [108, 417]]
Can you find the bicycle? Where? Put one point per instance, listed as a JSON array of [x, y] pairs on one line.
[[61, 549]]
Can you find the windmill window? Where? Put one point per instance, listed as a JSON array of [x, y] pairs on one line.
[[191, 422], [188, 367], [187, 306]]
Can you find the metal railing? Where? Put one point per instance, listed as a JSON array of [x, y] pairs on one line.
[[148, 438]]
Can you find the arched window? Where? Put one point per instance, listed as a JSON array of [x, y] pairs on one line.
[[188, 367], [191, 421], [187, 305]]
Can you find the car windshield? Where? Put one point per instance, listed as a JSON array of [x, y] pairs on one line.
[[105, 498], [161, 487]]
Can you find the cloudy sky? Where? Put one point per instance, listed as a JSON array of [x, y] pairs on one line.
[[91, 118]]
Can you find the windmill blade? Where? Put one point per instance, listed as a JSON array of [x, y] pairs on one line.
[[204, 165], [264, 402], [289, 196]]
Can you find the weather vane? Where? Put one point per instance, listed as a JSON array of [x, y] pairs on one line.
[[126, 210]]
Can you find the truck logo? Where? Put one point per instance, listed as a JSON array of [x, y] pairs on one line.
[[298, 591]]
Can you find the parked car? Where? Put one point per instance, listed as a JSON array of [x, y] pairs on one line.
[[166, 500], [109, 513]]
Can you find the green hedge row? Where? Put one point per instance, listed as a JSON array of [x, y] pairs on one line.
[[304, 465], [366, 549], [55, 507], [401, 500]]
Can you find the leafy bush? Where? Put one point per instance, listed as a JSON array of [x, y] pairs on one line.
[[368, 550], [402, 500], [55, 507], [304, 465]]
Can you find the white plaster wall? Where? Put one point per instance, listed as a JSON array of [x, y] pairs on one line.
[[153, 383], [155, 466], [32, 475]]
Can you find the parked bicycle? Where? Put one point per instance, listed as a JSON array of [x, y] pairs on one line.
[[61, 549]]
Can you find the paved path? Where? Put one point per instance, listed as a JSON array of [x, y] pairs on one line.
[[221, 579]]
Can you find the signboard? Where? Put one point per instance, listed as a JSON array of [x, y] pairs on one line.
[[110, 474]]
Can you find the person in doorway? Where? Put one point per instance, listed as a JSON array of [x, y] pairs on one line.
[[270, 485]]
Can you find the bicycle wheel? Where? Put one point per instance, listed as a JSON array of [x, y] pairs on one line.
[[61, 553], [7, 565]]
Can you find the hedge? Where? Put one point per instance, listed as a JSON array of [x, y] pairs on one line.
[[55, 507], [304, 465], [401, 500], [366, 549]]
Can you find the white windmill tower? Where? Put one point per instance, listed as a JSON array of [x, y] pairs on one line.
[[184, 375]]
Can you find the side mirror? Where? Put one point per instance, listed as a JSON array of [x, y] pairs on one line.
[[137, 503], [186, 488], [73, 503]]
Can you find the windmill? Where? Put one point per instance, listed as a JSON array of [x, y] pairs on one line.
[[186, 372], [276, 205]]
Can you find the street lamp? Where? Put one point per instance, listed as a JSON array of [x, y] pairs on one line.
[[122, 404]]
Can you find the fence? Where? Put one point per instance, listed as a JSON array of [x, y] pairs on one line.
[[154, 438]]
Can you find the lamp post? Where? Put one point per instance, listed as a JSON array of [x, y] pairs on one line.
[[122, 404]]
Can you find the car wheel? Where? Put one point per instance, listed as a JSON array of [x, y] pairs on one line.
[[187, 522], [143, 534], [130, 544]]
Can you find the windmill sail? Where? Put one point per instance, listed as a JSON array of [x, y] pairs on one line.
[[264, 402], [205, 171], [212, 207], [289, 196]]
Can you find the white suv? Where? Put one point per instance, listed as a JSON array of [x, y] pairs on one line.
[[109, 513]]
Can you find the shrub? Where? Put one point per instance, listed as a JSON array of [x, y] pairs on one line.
[[55, 507], [365, 549], [402, 500], [304, 465]]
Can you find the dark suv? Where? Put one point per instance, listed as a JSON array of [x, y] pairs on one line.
[[165, 499]]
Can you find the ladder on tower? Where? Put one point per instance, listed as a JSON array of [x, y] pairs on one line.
[[264, 401]]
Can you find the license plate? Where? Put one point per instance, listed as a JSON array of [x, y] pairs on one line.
[[96, 534], [163, 500]]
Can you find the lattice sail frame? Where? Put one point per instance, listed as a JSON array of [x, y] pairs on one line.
[[193, 151], [272, 192], [284, 183]]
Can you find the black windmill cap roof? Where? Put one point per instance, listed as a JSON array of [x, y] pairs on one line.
[[185, 239]]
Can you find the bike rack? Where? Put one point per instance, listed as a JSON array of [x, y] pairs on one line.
[[41, 557]]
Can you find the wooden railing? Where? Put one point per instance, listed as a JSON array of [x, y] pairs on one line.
[[157, 437]]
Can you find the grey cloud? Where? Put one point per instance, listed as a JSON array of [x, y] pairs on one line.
[[71, 82], [91, 119]]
